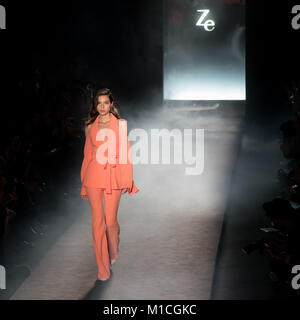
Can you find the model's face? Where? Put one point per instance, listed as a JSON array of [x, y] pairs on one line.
[[103, 105]]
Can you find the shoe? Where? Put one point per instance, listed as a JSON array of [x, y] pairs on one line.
[[100, 281]]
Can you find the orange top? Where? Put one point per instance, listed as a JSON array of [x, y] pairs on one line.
[[104, 169]]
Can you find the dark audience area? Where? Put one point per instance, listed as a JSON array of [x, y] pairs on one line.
[[35, 150], [281, 241]]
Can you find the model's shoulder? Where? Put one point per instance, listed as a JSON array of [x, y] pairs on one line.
[[87, 129]]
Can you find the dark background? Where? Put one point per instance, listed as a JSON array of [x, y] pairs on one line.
[[119, 45]]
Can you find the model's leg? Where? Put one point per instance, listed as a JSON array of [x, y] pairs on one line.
[[112, 201], [98, 228]]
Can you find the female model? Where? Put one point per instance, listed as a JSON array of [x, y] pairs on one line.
[[104, 175]]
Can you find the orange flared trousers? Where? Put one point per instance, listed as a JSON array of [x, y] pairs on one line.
[[105, 227]]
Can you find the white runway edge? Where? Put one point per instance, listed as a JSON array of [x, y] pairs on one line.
[[169, 231]]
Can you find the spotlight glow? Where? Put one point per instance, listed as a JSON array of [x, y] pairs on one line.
[[200, 65]]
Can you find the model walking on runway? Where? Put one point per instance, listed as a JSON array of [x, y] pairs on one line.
[[106, 172]]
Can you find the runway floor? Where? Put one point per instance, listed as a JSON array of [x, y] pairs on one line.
[[170, 230]]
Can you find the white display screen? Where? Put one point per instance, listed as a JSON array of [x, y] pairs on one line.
[[204, 50]]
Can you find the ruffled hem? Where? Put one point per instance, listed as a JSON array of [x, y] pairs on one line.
[[131, 191]]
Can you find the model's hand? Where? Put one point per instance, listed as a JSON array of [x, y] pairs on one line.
[[124, 191]]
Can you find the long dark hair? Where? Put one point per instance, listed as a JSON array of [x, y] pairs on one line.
[[94, 113]]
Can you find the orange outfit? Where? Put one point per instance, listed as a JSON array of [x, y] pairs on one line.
[[106, 179], [111, 175], [106, 243]]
